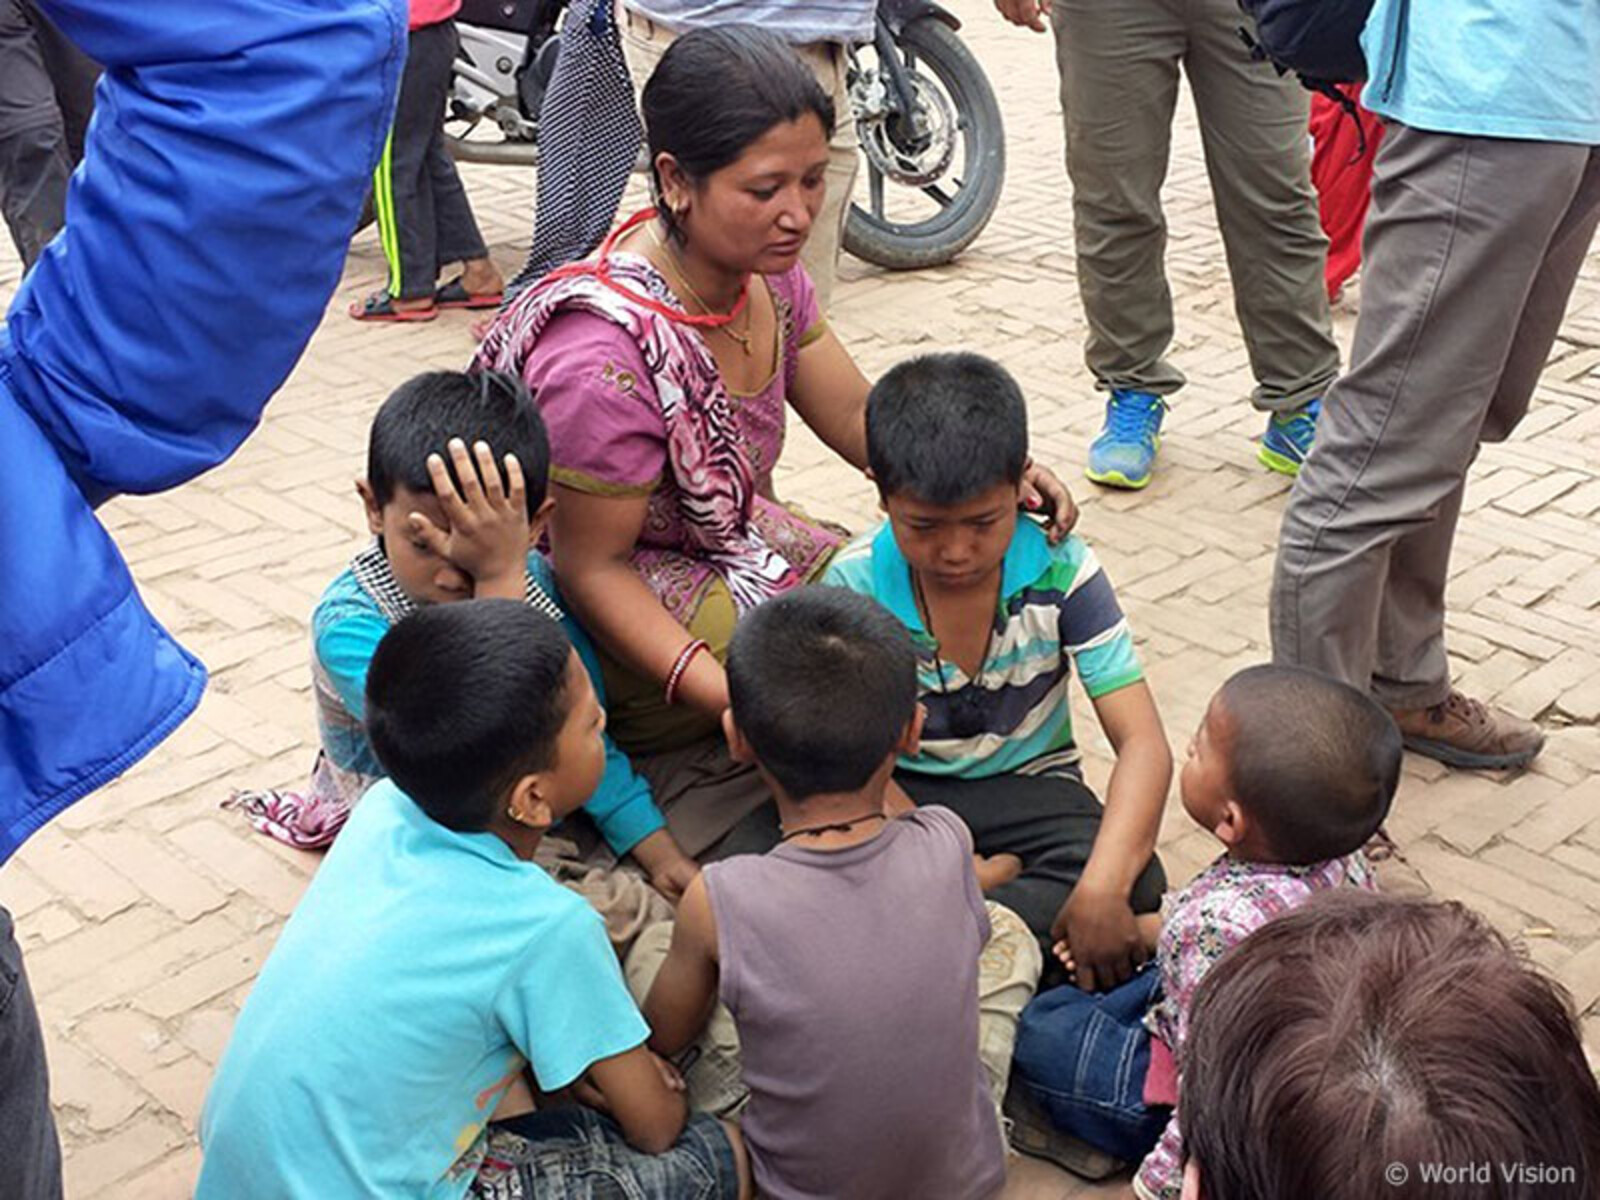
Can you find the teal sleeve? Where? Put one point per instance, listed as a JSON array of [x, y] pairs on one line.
[[621, 806], [566, 1006], [344, 639]]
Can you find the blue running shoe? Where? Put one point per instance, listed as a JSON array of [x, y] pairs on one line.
[[1288, 439], [1124, 455]]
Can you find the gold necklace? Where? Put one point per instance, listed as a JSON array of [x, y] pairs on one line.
[[675, 265]]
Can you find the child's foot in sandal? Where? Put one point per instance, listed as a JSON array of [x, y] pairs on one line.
[[381, 306]]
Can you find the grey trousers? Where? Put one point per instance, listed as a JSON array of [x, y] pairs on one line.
[[1472, 249], [46, 97], [1119, 64], [30, 1155]]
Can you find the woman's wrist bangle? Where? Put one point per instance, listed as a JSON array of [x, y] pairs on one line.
[[681, 666]]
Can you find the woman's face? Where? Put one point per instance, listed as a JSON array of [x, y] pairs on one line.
[[756, 213]]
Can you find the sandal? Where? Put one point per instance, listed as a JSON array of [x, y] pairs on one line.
[[455, 295], [380, 307]]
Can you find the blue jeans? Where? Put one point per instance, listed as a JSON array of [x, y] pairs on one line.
[[1083, 1056], [578, 1154], [30, 1155]]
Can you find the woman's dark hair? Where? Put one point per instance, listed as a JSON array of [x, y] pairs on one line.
[[1347, 1049], [718, 90]]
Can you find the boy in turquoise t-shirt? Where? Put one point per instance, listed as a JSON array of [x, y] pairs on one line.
[[448, 529], [431, 961], [1001, 620]]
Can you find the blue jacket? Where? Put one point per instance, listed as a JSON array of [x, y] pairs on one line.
[[227, 159]]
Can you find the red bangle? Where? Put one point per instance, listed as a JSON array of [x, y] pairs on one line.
[[681, 666]]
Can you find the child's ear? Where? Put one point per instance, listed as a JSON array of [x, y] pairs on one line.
[[541, 518], [738, 748], [370, 502], [1233, 826], [526, 805], [911, 738]]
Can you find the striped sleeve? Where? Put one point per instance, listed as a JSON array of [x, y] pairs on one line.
[[1094, 631]]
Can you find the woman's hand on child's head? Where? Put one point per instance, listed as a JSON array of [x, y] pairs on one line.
[[489, 533], [1044, 494], [1105, 937]]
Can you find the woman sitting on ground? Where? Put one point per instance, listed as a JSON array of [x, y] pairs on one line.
[[663, 367]]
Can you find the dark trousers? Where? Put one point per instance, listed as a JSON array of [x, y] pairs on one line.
[[46, 97], [30, 1155], [424, 218], [1049, 822]]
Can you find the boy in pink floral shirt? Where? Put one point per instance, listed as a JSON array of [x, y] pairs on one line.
[[1292, 772]]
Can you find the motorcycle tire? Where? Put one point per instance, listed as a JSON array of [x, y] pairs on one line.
[[940, 238]]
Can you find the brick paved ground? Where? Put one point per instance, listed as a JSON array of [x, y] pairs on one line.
[[146, 911]]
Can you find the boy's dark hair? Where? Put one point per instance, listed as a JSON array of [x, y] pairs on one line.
[[465, 699], [1313, 761], [945, 427], [717, 90], [421, 416], [822, 682], [1343, 1046]]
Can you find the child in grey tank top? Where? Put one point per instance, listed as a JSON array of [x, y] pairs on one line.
[[848, 956]]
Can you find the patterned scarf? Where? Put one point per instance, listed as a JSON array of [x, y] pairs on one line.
[[715, 486]]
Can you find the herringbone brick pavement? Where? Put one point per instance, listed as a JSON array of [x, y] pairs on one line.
[[146, 911]]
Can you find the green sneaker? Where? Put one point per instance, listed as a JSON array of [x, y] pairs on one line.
[[1287, 442], [1124, 455]]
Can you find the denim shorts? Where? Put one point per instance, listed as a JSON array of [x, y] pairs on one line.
[[579, 1154], [1083, 1056]]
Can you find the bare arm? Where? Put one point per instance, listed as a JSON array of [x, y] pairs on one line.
[[685, 990], [830, 394], [592, 537], [636, 1092], [1096, 920]]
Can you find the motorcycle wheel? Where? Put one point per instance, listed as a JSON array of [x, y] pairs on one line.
[[907, 240]]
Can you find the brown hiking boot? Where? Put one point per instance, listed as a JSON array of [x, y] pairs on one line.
[[1463, 732]]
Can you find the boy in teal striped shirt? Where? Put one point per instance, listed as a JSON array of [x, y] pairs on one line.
[[1001, 618]]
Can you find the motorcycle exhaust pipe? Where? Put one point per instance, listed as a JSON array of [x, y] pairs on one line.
[[499, 154]]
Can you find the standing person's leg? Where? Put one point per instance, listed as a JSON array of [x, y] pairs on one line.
[[403, 183], [457, 238], [1412, 672], [34, 160], [589, 138], [643, 44], [72, 73], [30, 1155], [1461, 235], [829, 61], [1253, 126], [1119, 85]]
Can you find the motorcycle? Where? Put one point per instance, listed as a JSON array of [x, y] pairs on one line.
[[926, 116]]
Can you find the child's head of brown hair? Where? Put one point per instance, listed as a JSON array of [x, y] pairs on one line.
[[1291, 766], [1352, 1047]]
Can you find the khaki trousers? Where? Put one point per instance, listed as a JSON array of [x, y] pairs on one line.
[[1472, 249], [1119, 62], [643, 44], [1008, 972]]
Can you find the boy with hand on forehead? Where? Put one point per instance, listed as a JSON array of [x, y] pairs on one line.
[[455, 496], [1001, 620]]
